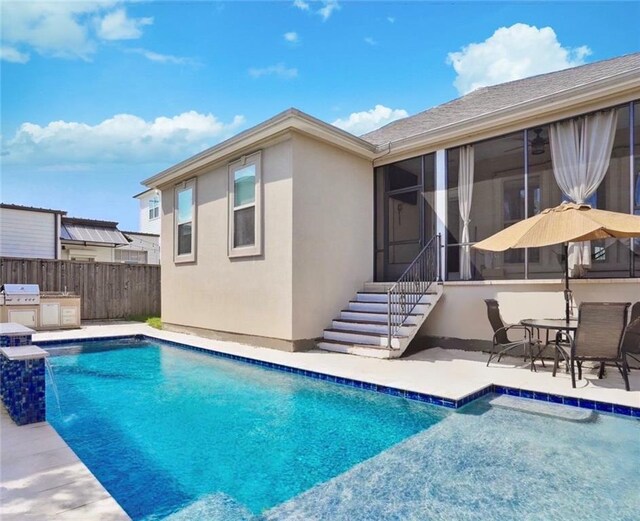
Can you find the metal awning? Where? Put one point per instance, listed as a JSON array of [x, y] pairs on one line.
[[88, 231]]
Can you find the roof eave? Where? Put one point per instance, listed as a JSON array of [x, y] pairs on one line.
[[627, 82], [291, 119]]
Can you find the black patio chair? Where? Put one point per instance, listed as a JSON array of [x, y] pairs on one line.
[[601, 327], [631, 341], [501, 343]]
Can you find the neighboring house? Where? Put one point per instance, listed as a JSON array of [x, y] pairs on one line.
[[27, 232], [149, 216], [270, 234], [143, 248], [90, 240]]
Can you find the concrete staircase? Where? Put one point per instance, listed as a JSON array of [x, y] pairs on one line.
[[361, 328]]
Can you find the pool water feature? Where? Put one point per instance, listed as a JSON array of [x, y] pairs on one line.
[[165, 429]]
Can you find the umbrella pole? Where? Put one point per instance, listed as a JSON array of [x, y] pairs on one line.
[[567, 291]]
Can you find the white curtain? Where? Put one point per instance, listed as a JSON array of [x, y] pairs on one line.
[[465, 195], [580, 152]]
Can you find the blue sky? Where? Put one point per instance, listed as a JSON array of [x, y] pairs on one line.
[[97, 96]]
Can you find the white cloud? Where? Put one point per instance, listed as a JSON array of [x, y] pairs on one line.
[[301, 4], [512, 53], [123, 138], [279, 70], [359, 123], [65, 29], [13, 55], [291, 37], [325, 11], [116, 25], [370, 41], [163, 58]]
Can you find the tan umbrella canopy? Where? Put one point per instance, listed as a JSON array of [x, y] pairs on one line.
[[566, 223]]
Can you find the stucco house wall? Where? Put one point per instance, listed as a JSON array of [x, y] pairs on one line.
[[332, 232], [247, 295], [461, 313]]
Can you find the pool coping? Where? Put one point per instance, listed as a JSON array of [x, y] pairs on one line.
[[583, 403]]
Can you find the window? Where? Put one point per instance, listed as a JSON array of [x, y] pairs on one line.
[[131, 256], [154, 208], [185, 221], [245, 223]]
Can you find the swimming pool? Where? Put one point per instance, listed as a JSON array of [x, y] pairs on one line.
[[178, 433]]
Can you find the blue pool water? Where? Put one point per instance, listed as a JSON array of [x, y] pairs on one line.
[[185, 436], [162, 427]]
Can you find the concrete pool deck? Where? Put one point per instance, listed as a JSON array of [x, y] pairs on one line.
[[448, 373], [41, 477]]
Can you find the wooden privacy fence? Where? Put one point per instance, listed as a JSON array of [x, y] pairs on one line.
[[107, 290]]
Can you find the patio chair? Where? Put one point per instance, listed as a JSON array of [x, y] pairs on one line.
[[601, 327], [631, 341], [501, 343]]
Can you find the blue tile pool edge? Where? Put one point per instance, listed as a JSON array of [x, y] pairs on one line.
[[583, 403]]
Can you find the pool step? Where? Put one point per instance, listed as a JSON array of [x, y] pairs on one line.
[[552, 410], [362, 328]]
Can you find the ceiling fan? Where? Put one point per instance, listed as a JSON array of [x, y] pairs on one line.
[[537, 143]]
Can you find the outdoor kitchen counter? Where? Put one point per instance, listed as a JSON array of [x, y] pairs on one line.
[[52, 310]]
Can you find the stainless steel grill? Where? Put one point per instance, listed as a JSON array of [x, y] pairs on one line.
[[20, 294]]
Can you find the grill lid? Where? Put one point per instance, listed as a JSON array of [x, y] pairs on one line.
[[20, 289]]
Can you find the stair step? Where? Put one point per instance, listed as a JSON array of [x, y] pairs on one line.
[[369, 326], [377, 313], [382, 307], [375, 287], [368, 346], [370, 351], [372, 322], [384, 297], [361, 337], [378, 318]]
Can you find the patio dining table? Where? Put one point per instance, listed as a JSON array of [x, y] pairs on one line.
[[550, 324]]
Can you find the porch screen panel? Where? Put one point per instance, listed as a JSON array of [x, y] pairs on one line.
[[581, 149], [543, 192], [636, 181], [498, 200]]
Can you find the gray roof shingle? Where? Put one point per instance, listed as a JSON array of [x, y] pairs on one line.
[[494, 98]]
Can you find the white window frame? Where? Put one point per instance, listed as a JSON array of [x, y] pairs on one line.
[[256, 247], [155, 209], [181, 187]]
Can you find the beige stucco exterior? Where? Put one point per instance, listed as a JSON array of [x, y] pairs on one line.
[[249, 295], [317, 243], [462, 314], [332, 232], [317, 227]]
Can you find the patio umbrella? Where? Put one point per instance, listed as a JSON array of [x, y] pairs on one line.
[[568, 222]]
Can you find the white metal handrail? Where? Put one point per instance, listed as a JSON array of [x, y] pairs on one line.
[[407, 292]]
